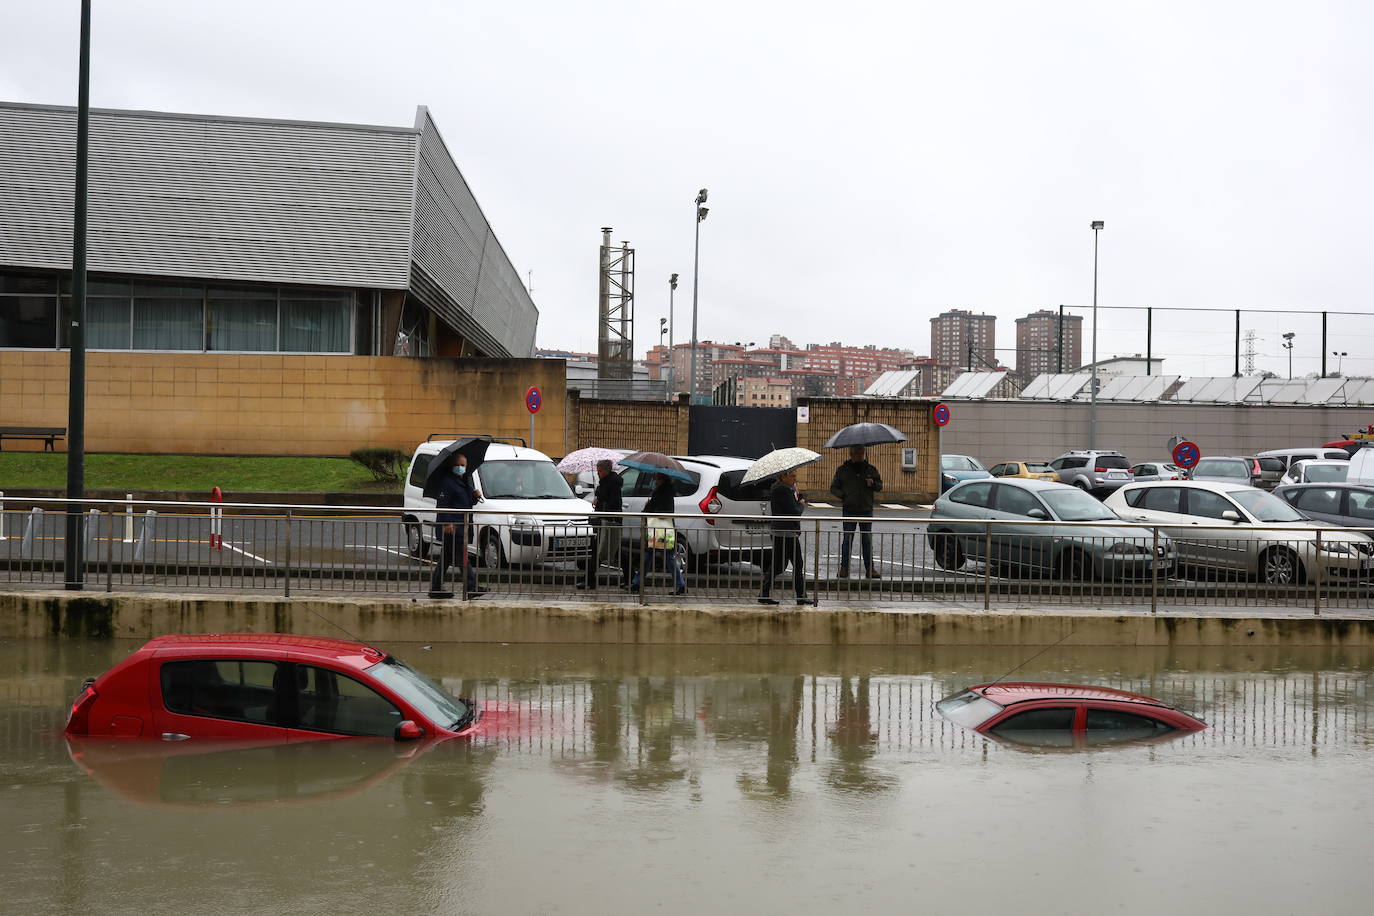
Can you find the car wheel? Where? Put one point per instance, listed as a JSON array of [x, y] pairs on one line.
[[1074, 566], [1083, 485], [948, 553], [415, 540], [493, 555], [1280, 566]]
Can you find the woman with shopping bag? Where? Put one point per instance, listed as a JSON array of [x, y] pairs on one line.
[[661, 534]]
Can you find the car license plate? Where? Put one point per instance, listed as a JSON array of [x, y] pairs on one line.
[[1116, 475], [752, 525]]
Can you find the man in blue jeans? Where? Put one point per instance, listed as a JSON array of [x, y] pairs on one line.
[[854, 484]]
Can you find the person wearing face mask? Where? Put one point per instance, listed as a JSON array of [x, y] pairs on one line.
[[455, 492]]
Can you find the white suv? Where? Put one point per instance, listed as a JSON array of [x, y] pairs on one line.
[[512, 479], [714, 490]]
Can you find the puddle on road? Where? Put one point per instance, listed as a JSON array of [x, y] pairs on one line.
[[627, 779]]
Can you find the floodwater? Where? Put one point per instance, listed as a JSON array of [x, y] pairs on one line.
[[713, 779]]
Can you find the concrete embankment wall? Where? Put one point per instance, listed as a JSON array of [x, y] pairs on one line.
[[142, 616]]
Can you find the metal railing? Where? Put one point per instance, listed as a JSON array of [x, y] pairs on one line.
[[977, 564]]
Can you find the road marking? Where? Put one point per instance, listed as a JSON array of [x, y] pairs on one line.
[[821, 505], [246, 553], [892, 505]]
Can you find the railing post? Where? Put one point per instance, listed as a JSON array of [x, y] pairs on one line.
[[2, 515], [1317, 578], [643, 558], [816, 567], [987, 567], [1154, 571], [462, 554], [287, 588], [109, 553]]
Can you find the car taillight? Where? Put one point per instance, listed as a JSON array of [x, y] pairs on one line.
[[78, 719], [1099, 470], [710, 505]]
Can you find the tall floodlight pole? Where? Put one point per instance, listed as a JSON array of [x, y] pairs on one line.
[[672, 354], [1092, 386], [73, 562], [696, 276], [1288, 345]]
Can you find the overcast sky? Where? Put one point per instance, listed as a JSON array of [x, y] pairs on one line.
[[869, 164]]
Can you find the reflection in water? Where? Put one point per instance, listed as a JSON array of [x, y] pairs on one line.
[[601, 765]]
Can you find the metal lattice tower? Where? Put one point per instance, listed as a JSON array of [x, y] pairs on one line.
[[616, 311], [1250, 340]]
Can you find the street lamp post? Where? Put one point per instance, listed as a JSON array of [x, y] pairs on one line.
[[74, 561], [696, 264], [672, 357], [1288, 345], [1340, 360], [1092, 389]]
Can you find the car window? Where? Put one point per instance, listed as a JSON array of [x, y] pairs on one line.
[[1212, 467], [1318, 499], [1038, 467], [221, 689], [628, 478], [1162, 499], [1112, 462], [1266, 506], [959, 463], [972, 494], [418, 469], [1325, 473], [522, 480], [332, 702], [1362, 504], [1056, 717], [1017, 501], [731, 488], [1270, 464], [1116, 719], [1133, 498], [1075, 463], [1207, 504], [1057, 463], [999, 470], [1143, 470], [1070, 504]]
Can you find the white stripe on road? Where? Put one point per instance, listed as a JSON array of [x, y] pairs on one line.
[[245, 553], [821, 505], [892, 505]]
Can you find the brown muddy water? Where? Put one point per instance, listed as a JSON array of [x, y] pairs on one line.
[[709, 779]]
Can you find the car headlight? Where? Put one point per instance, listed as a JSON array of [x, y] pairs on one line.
[[1127, 547], [1337, 547]]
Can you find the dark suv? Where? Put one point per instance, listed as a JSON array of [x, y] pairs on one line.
[[1096, 471]]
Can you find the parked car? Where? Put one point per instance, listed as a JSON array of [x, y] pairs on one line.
[[265, 686], [1235, 528], [1256, 472], [956, 468], [1337, 503], [714, 489], [1317, 470], [1064, 715], [528, 515], [1029, 470], [1289, 455], [1158, 470], [1110, 550], [1093, 471]]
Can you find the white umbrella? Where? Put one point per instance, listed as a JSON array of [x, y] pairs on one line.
[[779, 461], [585, 459]]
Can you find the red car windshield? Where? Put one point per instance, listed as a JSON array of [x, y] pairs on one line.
[[419, 691], [968, 709]]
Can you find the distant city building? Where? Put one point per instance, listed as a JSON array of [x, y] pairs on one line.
[[737, 367], [657, 361], [780, 358], [747, 391], [780, 342], [812, 383], [857, 363], [707, 353], [961, 338], [1038, 342]]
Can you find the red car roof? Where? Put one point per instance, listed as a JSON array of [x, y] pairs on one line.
[[1009, 692], [342, 651]]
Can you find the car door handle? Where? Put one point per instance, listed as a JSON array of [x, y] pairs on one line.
[[174, 736]]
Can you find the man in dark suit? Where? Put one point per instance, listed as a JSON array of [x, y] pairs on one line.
[[455, 492], [606, 546]]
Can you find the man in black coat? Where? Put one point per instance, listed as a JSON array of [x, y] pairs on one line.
[[455, 492], [854, 485], [785, 506], [606, 546]]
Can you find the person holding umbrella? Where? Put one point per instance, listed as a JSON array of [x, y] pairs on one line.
[[785, 505], [854, 484], [451, 488], [606, 538], [662, 535]]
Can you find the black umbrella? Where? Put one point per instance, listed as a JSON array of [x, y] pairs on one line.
[[476, 451], [865, 434]]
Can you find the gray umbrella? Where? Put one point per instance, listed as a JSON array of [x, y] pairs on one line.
[[476, 451], [865, 434]]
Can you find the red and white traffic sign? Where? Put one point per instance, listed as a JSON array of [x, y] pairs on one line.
[[533, 400], [1187, 454], [942, 415]]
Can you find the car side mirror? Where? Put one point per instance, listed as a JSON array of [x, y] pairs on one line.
[[408, 731], [1038, 514], [1231, 515]]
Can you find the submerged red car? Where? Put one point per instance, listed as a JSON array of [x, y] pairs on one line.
[[265, 687], [1025, 712]]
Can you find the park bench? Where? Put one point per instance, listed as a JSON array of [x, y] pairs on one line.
[[48, 434]]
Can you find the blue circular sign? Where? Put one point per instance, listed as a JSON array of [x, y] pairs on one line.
[[1187, 454], [533, 400], [942, 415]]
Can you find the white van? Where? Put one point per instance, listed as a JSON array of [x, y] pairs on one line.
[[527, 515], [1314, 453]]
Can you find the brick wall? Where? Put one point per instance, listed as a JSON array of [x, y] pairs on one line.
[[230, 404], [650, 426], [913, 417]]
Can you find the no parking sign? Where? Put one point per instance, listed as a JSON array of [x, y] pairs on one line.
[[1187, 454], [942, 415]]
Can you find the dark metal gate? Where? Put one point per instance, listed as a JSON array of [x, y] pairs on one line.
[[746, 432]]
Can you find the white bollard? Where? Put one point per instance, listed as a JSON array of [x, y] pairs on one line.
[[92, 529], [31, 528], [147, 535], [129, 519]]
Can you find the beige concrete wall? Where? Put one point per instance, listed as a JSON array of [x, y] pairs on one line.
[[913, 417], [996, 431], [213, 403], [37, 615]]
